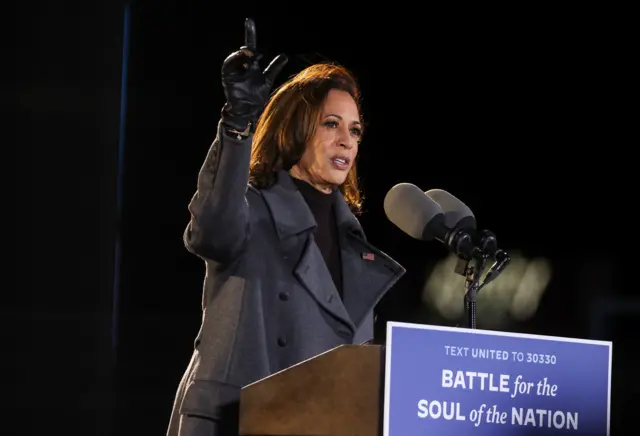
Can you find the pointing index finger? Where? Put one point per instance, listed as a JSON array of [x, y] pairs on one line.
[[250, 35]]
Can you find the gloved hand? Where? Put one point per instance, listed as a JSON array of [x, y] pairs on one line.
[[247, 88]]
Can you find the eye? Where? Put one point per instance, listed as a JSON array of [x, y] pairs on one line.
[[355, 131], [332, 124]]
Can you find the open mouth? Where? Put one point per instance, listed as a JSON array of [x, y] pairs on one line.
[[341, 162]]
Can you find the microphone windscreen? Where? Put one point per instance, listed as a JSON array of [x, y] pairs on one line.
[[410, 209], [456, 213]]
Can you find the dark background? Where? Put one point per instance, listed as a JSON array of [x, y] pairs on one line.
[[527, 119]]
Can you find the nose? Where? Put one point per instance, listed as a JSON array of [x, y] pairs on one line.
[[345, 140]]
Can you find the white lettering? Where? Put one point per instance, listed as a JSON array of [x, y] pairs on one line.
[[440, 410], [488, 353], [465, 380], [545, 418], [451, 350]]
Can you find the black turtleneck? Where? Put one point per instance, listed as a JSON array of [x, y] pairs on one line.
[[326, 233]]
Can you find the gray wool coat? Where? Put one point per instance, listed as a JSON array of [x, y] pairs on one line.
[[269, 301]]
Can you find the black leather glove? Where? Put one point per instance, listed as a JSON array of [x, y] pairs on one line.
[[247, 88]]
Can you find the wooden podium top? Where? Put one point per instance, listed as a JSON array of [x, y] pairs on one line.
[[337, 393]]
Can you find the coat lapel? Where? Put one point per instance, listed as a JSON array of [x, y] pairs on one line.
[[293, 217], [314, 275], [367, 272]]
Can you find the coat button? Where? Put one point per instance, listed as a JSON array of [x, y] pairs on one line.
[[282, 341], [284, 296], [330, 298]]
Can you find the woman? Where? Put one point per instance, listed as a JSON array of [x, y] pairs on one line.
[[289, 272]]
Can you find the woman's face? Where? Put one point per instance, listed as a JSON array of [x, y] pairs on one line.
[[332, 151]]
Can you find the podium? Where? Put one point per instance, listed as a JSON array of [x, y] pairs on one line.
[[438, 380], [337, 393]]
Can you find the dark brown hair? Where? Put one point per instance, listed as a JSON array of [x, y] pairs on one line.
[[290, 120]]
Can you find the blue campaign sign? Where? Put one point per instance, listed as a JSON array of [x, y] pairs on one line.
[[457, 381]]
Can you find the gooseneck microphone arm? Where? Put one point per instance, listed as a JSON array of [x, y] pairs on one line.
[[487, 250], [502, 260]]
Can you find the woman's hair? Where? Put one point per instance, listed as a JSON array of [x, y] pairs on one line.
[[289, 122]]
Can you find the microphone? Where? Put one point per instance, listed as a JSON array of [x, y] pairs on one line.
[[438, 215], [457, 212], [421, 217]]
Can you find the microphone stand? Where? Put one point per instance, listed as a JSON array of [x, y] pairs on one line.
[[473, 272]]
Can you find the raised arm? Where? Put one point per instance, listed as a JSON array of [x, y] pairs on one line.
[[219, 223]]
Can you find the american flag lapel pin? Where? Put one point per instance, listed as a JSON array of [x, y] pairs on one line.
[[368, 256]]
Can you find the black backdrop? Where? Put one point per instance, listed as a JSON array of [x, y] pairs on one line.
[[526, 121]]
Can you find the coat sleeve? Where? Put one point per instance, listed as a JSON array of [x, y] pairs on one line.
[[219, 224]]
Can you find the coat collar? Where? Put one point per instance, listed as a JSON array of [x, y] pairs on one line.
[[291, 213]]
